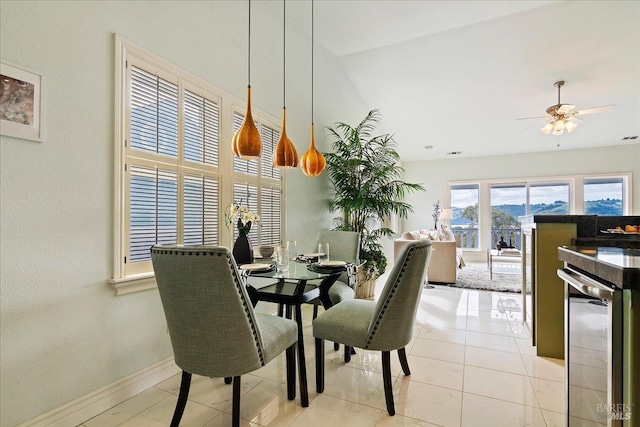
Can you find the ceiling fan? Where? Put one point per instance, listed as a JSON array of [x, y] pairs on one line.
[[561, 117]]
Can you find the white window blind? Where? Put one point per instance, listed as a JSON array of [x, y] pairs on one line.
[[270, 216], [172, 163], [153, 210], [269, 138]]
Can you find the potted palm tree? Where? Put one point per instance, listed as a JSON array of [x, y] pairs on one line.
[[365, 174]]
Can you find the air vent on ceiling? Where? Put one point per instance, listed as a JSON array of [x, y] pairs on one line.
[[454, 153], [630, 137]]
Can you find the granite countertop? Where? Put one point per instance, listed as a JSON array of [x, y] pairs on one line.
[[618, 266]]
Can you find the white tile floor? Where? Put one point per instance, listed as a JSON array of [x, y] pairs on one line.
[[471, 365]]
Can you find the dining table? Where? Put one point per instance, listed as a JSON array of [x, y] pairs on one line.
[[302, 282]]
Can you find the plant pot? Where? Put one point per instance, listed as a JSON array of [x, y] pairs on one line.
[[365, 288], [242, 250]]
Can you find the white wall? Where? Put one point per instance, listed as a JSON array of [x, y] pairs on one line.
[[63, 331], [435, 175]]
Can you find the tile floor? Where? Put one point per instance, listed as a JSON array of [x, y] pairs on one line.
[[471, 365]]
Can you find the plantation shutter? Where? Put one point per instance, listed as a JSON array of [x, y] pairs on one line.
[[200, 207], [270, 230], [154, 113], [201, 117], [153, 210], [270, 138]]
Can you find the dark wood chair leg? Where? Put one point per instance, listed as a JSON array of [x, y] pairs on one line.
[[302, 364], [235, 418], [182, 399], [386, 378], [402, 355], [291, 372], [280, 310], [228, 380], [347, 354], [315, 310], [319, 365]]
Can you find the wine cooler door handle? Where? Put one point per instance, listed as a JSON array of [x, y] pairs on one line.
[[585, 284]]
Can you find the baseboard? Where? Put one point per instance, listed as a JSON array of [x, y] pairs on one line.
[[94, 403]]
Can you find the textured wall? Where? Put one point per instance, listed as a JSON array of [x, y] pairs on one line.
[[63, 332]]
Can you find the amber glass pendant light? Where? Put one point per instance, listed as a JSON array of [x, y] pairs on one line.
[[312, 162], [285, 154], [246, 142]]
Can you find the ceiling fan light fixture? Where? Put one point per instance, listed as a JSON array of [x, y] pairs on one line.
[[546, 129], [559, 125], [571, 126], [557, 132]]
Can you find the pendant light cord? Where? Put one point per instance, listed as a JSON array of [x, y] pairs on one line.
[[249, 50], [311, 61], [284, 52]]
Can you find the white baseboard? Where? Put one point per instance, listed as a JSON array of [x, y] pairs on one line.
[[95, 403]]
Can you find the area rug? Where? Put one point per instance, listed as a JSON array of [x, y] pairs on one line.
[[476, 276]]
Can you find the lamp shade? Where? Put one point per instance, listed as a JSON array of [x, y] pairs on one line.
[[285, 154], [445, 214], [246, 142], [312, 162]]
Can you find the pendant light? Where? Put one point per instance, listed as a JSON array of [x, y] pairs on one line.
[[312, 162], [246, 142], [285, 155]]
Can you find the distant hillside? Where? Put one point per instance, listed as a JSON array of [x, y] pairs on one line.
[[596, 207]]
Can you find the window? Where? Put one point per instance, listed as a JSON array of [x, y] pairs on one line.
[[464, 214], [171, 164], [485, 211], [171, 167], [603, 196], [549, 199], [508, 202]]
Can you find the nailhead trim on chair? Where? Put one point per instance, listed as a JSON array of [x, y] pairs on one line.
[[238, 289], [393, 290]]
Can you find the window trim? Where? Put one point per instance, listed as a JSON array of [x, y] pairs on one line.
[[227, 104]]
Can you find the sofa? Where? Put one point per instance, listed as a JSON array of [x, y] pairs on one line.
[[446, 254]]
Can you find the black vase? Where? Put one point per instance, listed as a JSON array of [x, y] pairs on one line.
[[242, 250]]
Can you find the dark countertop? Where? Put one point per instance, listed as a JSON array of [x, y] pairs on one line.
[[618, 266]]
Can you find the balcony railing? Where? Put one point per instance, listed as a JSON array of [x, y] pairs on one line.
[[469, 236]]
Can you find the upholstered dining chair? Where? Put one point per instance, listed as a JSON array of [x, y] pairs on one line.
[[213, 329], [343, 245], [384, 325]]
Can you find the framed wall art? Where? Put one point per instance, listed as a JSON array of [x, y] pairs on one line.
[[20, 92]]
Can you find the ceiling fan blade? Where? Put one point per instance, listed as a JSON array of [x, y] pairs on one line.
[[596, 109], [531, 118], [565, 108], [576, 120]]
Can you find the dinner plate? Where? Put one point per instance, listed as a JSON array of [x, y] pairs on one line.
[[332, 264], [312, 255], [255, 267]]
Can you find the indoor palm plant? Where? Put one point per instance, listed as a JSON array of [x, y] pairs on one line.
[[365, 174]]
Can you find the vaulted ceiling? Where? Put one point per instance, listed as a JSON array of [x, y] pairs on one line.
[[455, 75]]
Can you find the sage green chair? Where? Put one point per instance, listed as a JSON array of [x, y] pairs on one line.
[[345, 246], [213, 329], [384, 325]]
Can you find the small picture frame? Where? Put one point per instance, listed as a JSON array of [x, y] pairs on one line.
[[20, 103]]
